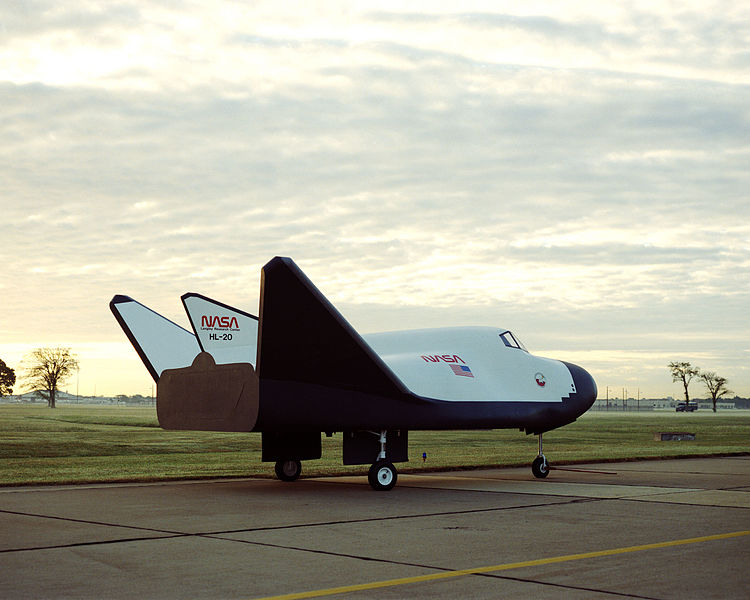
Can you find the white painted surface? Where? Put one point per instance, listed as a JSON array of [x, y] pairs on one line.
[[229, 335], [424, 360], [165, 344]]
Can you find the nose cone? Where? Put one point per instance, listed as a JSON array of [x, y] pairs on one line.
[[585, 388]]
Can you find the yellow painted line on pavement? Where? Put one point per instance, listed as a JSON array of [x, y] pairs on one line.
[[506, 567]]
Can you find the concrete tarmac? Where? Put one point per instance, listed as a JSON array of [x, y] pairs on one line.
[[654, 529]]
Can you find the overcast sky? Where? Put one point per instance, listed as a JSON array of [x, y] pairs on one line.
[[576, 172]]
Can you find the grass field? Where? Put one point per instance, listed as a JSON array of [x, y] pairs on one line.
[[76, 444]]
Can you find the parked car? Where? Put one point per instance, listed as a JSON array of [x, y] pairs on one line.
[[689, 407]]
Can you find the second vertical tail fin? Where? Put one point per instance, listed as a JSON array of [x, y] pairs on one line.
[[230, 335]]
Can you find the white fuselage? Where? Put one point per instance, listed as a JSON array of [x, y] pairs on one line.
[[470, 364]]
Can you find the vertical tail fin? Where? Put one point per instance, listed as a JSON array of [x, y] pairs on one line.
[[159, 342], [230, 335], [302, 337]]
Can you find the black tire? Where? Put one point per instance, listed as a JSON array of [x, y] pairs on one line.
[[540, 467], [288, 470], [382, 476]]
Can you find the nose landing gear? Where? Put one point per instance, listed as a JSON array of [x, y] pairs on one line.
[[540, 466]]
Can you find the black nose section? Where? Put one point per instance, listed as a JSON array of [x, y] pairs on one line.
[[585, 387]]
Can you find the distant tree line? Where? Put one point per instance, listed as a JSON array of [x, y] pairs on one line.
[[7, 379], [46, 369], [684, 373], [136, 399]]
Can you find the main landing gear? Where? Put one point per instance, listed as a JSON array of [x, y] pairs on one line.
[[288, 470], [382, 475], [540, 466]]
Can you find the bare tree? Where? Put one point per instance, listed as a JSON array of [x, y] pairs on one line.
[[716, 385], [7, 379], [48, 369], [684, 372]]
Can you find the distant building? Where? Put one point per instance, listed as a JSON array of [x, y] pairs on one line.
[[669, 403]]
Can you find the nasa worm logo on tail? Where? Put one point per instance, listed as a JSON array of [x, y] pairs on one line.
[[216, 322]]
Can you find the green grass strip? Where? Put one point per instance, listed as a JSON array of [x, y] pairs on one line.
[[75, 444]]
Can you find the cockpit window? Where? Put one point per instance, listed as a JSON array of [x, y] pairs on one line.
[[512, 341]]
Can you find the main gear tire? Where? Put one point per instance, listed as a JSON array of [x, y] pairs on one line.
[[382, 476], [288, 470]]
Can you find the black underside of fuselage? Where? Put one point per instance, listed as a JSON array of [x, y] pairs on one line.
[[294, 406]]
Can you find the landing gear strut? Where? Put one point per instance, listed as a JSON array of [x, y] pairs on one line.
[[288, 470], [382, 475], [540, 466]]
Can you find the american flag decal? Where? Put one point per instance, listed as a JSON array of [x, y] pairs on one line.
[[462, 370]]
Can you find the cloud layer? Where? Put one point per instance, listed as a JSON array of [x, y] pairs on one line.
[[578, 174]]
